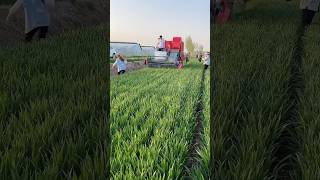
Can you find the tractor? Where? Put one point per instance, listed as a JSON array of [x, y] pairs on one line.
[[172, 56]]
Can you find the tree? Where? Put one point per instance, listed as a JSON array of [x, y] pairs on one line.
[[200, 48], [196, 47], [189, 45]]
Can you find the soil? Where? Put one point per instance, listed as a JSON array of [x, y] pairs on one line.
[[67, 15], [131, 66]]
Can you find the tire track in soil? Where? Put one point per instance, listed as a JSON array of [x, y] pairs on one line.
[[197, 132], [284, 163]]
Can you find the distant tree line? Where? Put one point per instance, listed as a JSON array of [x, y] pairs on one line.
[[193, 47]]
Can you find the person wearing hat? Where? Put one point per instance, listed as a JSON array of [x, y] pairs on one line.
[[121, 64], [37, 15], [161, 44]]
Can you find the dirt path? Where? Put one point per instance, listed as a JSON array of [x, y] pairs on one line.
[[197, 133], [131, 66], [66, 16]]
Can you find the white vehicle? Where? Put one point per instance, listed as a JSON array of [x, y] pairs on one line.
[[160, 56]]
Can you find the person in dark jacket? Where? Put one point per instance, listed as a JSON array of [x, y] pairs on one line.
[[309, 9]]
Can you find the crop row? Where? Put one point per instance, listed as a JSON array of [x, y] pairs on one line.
[[201, 170], [152, 118], [53, 105], [308, 133], [251, 90]]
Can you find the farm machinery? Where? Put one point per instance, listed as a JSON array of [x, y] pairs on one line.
[[172, 56]]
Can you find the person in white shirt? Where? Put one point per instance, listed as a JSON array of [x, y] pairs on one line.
[[206, 61], [121, 64], [187, 57], [37, 16], [161, 44]]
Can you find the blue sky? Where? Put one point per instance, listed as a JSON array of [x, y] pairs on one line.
[[143, 21]]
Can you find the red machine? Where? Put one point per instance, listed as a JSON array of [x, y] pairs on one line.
[[175, 48], [225, 14], [173, 55]]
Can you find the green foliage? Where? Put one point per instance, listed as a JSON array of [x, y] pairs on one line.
[[190, 46], [202, 170], [251, 93], [53, 106], [250, 98], [152, 118], [309, 157]]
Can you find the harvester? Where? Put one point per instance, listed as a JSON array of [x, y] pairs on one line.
[[172, 56]]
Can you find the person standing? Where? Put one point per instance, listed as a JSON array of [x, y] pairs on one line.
[[161, 44], [206, 61], [200, 57], [187, 57], [37, 16], [309, 9], [121, 64]]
